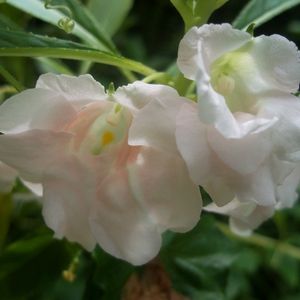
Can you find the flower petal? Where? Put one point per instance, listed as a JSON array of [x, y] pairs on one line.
[[278, 59], [154, 125], [69, 190], [32, 152], [79, 90], [258, 187], [161, 182], [286, 131], [34, 109], [138, 94], [243, 155], [201, 46], [192, 144], [120, 223], [244, 216]]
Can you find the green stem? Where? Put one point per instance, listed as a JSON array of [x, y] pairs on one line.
[[11, 79], [88, 55], [263, 241], [183, 85]]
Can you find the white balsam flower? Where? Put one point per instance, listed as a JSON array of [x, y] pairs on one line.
[[241, 141]]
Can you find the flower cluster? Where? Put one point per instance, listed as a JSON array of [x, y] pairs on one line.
[[118, 169]]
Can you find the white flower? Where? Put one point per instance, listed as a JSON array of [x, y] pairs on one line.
[[98, 186], [244, 132]]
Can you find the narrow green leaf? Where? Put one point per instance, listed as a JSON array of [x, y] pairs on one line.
[[11, 79], [37, 9], [261, 11], [110, 13], [22, 44]]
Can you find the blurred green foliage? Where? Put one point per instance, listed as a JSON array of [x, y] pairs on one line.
[[207, 263]]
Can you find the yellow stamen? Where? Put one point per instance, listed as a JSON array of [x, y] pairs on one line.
[[107, 138]]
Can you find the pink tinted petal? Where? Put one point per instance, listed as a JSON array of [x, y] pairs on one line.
[[120, 224], [69, 188], [34, 109], [80, 90], [138, 94], [192, 144], [32, 152], [154, 125], [161, 182]]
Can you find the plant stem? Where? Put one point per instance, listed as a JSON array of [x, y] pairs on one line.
[[76, 54], [263, 241]]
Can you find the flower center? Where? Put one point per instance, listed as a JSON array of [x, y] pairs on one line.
[[108, 129], [232, 76], [98, 127]]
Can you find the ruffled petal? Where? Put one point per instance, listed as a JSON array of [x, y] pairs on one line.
[[34, 109], [138, 94], [258, 187], [286, 131], [243, 155], [201, 46], [278, 60], [32, 152], [287, 191], [155, 124], [120, 224], [69, 189], [192, 144], [244, 216], [161, 182], [79, 90]]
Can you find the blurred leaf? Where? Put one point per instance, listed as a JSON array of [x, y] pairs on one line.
[[287, 267], [29, 45], [110, 13], [5, 214], [111, 274], [7, 23], [31, 265], [261, 11], [194, 259], [92, 34]]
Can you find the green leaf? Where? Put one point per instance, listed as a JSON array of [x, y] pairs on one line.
[[110, 13], [111, 274], [22, 44], [5, 214], [30, 266], [197, 259], [261, 11], [92, 35]]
